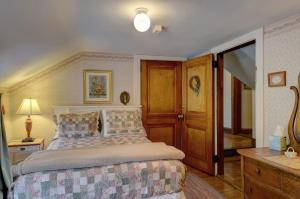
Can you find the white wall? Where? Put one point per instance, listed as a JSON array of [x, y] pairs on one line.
[[64, 87], [227, 99], [282, 53], [246, 104]]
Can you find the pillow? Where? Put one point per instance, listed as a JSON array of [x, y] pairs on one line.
[[78, 125], [122, 122], [100, 126]]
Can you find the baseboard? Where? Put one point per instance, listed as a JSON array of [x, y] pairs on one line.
[[246, 131], [243, 131], [227, 130]]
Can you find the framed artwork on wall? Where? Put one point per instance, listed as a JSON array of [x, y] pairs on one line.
[[277, 79], [97, 86]]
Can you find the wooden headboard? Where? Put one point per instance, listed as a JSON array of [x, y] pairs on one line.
[[81, 109]]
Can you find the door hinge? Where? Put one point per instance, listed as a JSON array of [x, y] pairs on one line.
[[215, 158], [215, 64]]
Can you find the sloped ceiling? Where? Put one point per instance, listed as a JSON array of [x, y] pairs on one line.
[[37, 33], [241, 64]]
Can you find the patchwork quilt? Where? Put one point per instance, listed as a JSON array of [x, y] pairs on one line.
[[129, 180]]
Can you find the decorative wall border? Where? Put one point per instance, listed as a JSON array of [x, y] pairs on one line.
[[66, 63], [281, 26]]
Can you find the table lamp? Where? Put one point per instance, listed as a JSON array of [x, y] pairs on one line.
[[28, 107]]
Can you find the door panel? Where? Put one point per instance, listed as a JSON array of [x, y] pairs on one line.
[[162, 133], [196, 99], [161, 100], [162, 81], [198, 135]]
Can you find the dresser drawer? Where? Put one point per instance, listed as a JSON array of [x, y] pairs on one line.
[[25, 149], [263, 173], [291, 185], [253, 188]]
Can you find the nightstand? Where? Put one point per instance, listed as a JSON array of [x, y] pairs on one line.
[[19, 150]]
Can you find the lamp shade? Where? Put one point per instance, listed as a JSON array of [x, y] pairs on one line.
[[29, 107], [141, 20]]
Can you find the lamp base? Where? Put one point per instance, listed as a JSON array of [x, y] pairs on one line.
[[28, 139]]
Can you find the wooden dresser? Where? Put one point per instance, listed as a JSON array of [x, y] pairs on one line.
[[265, 179]]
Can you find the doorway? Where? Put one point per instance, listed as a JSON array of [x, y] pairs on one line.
[[236, 108]]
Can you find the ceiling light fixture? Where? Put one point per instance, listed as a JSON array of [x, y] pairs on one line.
[[141, 20]]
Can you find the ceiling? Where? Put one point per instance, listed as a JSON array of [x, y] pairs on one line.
[[35, 34], [241, 64]]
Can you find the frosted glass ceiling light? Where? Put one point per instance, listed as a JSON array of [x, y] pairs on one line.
[[141, 20]]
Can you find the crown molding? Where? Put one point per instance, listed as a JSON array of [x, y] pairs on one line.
[[282, 26], [66, 63]]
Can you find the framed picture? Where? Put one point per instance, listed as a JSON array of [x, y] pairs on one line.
[[97, 86], [277, 79]]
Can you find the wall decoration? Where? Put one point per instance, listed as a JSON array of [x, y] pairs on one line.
[[277, 79], [124, 97], [195, 84], [97, 86], [195, 88]]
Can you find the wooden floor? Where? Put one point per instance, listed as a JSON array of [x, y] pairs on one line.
[[232, 141], [220, 185], [232, 171]]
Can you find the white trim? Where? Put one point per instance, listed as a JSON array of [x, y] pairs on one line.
[[256, 35], [137, 72]]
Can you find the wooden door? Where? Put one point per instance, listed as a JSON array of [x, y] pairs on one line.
[[198, 100], [161, 100], [236, 105]]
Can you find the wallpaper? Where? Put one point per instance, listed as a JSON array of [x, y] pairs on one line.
[[64, 86], [281, 53]]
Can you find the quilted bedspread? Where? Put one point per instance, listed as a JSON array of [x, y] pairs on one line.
[[128, 180]]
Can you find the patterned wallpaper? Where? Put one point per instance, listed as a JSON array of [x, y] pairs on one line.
[[63, 86], [281, 53]]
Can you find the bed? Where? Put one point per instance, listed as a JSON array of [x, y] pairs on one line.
[[156, 179]]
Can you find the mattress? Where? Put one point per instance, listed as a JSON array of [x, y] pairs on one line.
[[160, 178]]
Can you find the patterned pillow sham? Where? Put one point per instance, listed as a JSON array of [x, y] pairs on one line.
[[117, 122], [100, 125], [76, 125]]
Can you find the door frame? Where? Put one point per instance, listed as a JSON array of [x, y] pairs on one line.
[[220, 106]]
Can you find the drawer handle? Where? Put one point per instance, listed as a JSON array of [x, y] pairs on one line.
[[22, 149], [258, 171]]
